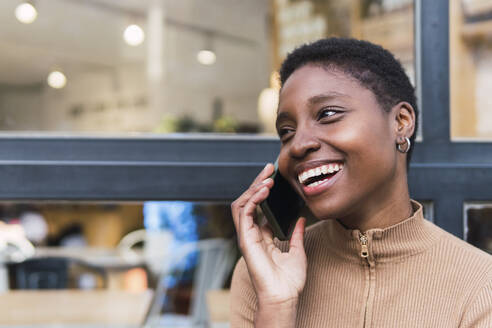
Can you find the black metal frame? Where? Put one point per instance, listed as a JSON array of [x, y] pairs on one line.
[[197, 167], [445, 172]]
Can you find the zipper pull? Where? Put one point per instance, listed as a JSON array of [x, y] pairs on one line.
[[364, 252]]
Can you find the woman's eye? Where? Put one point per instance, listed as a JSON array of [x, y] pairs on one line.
[[327, 112], [283, 132]]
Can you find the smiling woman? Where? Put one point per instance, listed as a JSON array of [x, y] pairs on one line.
[[347, 121]]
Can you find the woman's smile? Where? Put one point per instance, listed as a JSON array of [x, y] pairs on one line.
[[316, 177]]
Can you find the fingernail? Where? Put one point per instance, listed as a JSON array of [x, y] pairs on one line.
[[266, 180]]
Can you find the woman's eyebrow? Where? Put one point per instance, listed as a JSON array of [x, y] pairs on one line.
[[314, 100]]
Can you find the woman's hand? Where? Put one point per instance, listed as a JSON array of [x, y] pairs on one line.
[[278, 278]]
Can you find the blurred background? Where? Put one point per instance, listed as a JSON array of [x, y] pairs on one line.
[[149, 68]]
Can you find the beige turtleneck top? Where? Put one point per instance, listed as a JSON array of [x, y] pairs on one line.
[[415, 275]]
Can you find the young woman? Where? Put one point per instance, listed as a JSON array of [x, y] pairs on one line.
[[347, 119]]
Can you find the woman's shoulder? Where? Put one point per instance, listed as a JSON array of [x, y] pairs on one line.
[[463, 258], [461, 249]]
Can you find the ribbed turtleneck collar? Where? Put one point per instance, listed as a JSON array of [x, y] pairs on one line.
[[406, 238]]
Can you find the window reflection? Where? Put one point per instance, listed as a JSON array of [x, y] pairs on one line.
[[478, 225], [428, 209]]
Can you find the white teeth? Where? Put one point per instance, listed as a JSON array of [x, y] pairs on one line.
[[314, 184], [323, 169]]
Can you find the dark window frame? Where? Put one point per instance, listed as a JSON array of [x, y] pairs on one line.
[[218, 168]]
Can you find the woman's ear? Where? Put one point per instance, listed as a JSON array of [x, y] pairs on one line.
[[404, 120]]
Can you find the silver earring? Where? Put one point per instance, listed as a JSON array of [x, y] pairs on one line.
[[407, 148]]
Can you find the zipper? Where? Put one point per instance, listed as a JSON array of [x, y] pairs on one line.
[[364, 251]]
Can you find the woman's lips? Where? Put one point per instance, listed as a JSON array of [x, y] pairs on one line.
[[322, 185]]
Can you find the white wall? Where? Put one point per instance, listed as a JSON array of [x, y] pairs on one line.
[[21, 108]]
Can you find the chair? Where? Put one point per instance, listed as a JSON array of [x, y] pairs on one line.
[[41, 273], [50, 272], [215, 258]]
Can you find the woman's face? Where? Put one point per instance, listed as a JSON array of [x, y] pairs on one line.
[[338, 144]]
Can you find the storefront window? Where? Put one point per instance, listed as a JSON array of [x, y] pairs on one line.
[[478, 225], [387, 23], [131, 262], [470, 69], [115, 67], [133, 66], [428, 209]]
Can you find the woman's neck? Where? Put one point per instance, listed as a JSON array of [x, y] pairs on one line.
[[384, 209]]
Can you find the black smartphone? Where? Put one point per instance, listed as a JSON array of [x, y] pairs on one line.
[[282, 207]]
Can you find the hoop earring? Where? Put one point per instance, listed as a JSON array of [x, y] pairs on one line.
[[407, 148]]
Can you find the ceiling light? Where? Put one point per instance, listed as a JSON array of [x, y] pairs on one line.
[[206, 57], [26, 13], [134, 35], [57, 80]]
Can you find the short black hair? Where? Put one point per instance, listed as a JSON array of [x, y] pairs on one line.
[[373, 66]]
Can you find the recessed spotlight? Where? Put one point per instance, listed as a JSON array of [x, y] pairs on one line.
[[57, 80], [133, 35], [26, 13], [206, 57]]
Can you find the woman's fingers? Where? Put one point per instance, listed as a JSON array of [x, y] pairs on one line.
[[248, 211], [265, 173], [251, 236], [244, 211], [297, 240], [239, 203], [267, 235], [261, 180]]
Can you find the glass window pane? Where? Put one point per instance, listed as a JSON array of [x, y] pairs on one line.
[[478, 225], [428, 207], [387, 23], [170, 66], [133, 66], [131, 262], [470, 69]]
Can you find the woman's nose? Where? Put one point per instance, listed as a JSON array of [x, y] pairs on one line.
[[303, 143]]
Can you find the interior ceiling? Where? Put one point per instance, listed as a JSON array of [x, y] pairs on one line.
[[76, 35]]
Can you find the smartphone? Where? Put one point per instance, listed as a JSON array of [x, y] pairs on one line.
[[283, 206]]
